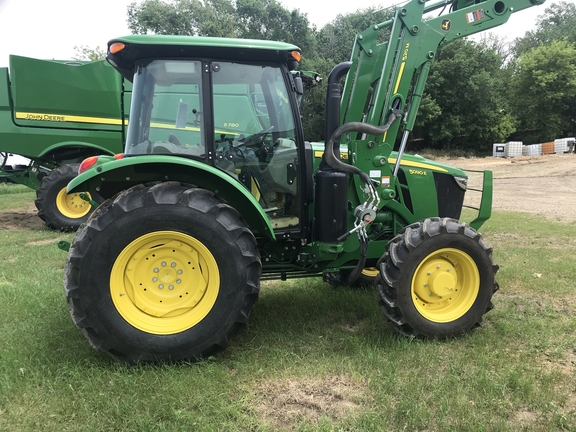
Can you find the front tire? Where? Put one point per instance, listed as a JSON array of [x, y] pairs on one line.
[[59, 210], [162, 273], [436, 279]]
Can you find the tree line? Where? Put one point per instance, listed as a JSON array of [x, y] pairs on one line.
[[479, 92]]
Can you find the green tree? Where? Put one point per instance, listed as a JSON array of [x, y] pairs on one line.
[[336, 38], [544, 91], [216, 18], [268, 19], [556, 23], [252, 19], [161, 17], [183, 17], [334, 44], [85, 53], [465, 104], [314, 103]]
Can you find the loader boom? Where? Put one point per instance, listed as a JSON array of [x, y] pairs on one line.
[[385, 79], [393, 73]]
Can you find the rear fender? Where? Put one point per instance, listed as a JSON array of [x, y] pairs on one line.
[[94, 149], [113, 176]]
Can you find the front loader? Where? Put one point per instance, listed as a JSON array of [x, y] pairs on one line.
[[218, 189]]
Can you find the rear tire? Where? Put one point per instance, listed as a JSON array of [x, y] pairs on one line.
[[162, 273], [436, 279], [59, 210]]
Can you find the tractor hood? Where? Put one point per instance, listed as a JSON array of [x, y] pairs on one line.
[[417, 161], [412, 161]]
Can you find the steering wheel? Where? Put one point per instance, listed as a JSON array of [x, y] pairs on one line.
[[257, 137]]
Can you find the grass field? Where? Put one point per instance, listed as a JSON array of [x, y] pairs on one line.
[[312, 358]]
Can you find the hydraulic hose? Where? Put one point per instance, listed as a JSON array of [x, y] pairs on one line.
[[360, 265], [360, 127], [338, 165]]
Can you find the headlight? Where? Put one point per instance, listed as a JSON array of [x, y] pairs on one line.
[[462, 182]]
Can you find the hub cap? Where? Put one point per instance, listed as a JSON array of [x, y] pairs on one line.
[[71, 205], [164, 282], [371, 272], [445, 285]]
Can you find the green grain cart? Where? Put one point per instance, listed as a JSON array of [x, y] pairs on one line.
[[218, 189], [57, 113]]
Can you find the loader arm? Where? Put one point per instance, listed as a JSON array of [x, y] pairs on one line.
[[384, 86], [393, 74]]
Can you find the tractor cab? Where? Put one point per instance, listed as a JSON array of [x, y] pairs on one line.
[[236, 110]]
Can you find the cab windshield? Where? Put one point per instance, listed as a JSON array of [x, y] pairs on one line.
[[233, 115]]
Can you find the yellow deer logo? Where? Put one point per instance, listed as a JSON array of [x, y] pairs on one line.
[[446, 25]]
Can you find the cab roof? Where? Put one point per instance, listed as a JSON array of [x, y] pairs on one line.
[[205, 41], [151, 47]]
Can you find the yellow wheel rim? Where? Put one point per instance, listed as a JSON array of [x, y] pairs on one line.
[[164, 282], [445, 285], [71, 205], [371, 272]]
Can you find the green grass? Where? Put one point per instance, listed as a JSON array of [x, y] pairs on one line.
[[312, 358], [13, 196]]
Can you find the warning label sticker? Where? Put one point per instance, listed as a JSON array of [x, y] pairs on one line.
[[477, 15]]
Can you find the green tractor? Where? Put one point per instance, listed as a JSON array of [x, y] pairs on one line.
[[53, 115], [217, 189]]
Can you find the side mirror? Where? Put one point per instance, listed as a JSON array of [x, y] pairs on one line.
[[298, 84]]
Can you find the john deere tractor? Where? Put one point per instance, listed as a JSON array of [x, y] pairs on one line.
[[53, 115], [217, 189]]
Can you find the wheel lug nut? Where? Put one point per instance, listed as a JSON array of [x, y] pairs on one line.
[[161, 286], [428, 273], [178, 280], [154, 279], [173, 264], [171, 287], [164, 264], [179, 272], [156, 270], [438, 267]]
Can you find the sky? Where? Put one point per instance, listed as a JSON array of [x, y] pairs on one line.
[[51, 29]]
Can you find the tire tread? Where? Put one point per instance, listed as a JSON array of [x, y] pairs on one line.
[[172, 193], [392, 265]]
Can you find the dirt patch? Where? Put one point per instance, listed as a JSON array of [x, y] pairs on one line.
[[565, 365], [25, 219], [283, 404], [42, 242], [20, 221], [565, 305], [544, 185], [524, 418]]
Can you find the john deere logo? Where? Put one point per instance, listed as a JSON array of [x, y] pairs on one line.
[[446, 25]]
